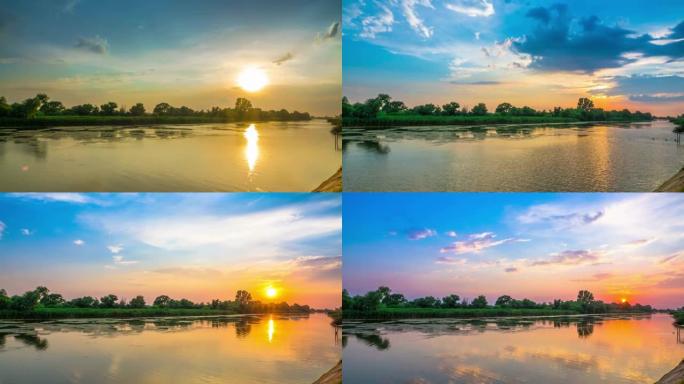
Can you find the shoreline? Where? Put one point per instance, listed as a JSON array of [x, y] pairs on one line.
[[331, 184], [498, 317], [673, 184], [333, 376], [80, 121], [675, 376], [379, 124]]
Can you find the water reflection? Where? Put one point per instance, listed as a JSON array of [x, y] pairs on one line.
[[582, 157], [252, 148], [581, 349], [163, 350]]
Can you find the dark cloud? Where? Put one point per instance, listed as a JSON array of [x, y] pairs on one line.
[[92, 44], [483, 82], [574, 257], [511, 269], [560, 42], [677, 32], [653, 89], [286, 57], [333, 31]]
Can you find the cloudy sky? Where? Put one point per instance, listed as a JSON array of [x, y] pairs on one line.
[[198, 246], [540, 246], [180, 52], [624, 54]]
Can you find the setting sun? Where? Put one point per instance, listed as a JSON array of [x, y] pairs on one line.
[[623, 300], [271, 292], [252, 79]]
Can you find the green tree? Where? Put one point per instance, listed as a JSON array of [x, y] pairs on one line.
[[109, 108], [52, 108], [479, 302], [109, 301], [52, 300], [162, 109], [242, 105], [137, 110], [137, 302], [585, 297], [504, 108], [450, 109], [162, 301], [479, 110], [504, 301], [585, 104], [242, 298], [451, 301]]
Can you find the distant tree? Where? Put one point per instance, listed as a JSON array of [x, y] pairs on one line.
[[451, 301], [109, 301], [395, 299], [347, 300], [4, 299], [426, 109], [83, 302], [585, 104], [242, 105], [52, 300], [451, 108], [394, 107], [479, 110], [347, 108], [243, 298], [137, 302], [504, 301], [384, 293], [109, 108], [52, 108], [137, 110], [83, 109], [162, 109], [504, 108], [585, 297], [479, 302], [162, 301], [5, 108]]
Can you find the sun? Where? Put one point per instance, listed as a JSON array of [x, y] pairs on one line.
[[271, 292], [252, 79], [623, 300]]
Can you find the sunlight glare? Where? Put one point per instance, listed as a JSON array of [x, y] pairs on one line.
[[271, 329], [252, 150], [271, 292], [252, 79]]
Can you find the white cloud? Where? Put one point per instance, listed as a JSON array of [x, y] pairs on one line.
[[119, 260], [2, 228], [416, 23], [26, 232], [115, 248], [451, 233], [478, 242], [79, 242], [372, 25], [570, 257], [472, 8], [76, 198], [420, 234]]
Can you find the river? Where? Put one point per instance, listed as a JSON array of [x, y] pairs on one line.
[[582, 350], [599, 157], [273, 156], [270, 349]]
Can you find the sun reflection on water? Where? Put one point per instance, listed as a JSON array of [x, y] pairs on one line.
[[252, 150], [271, 329]]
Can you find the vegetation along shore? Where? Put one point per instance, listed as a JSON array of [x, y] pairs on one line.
[[382, 111], [676, 182], [40, 111], [42, 304], [384, 304]]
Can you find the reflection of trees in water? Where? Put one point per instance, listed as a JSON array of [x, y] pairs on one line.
[[344, 340], [374, 146], [372, 340], [242, 329], [585, 329], [32, 340]]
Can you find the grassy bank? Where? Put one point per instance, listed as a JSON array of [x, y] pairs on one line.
[[416, 313], [53, 121], [332, 184], [74, 313], [679, 317], [333, 376]]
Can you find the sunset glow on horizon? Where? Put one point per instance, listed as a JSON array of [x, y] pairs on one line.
[[544, 246], [195, 246]]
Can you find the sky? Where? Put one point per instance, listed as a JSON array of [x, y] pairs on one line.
[[541, 246], [195, 246], [180, 52], [622, 54]]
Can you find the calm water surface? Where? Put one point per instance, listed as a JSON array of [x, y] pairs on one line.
[[628, 157], [615, 349], [248, 349], [275, 156]]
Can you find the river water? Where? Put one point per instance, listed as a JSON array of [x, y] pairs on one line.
[[244, 349], [274, 156], [581, 350], [619, 157]]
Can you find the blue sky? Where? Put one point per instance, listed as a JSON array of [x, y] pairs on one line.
[[540, 246], [199, 246], [527, 52], [181, 52]]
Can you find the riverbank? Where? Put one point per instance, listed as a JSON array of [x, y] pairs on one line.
[[65, 121], [675, 376], [332, 184], [79, 313], [333, 376], [457, 313], [388, 121], [674, 184]]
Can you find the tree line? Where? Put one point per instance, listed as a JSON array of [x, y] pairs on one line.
[[383, 297], [384, 105], [41, 105], [41, 297]]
